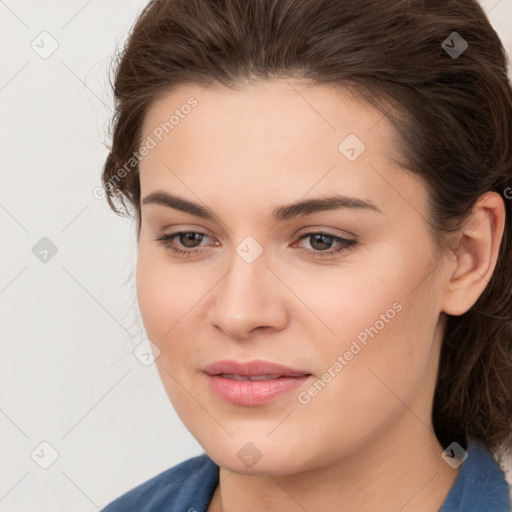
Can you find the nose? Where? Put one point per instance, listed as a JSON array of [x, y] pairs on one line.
[[250, 297]]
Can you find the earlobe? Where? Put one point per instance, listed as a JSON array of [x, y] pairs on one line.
[[474, 259]]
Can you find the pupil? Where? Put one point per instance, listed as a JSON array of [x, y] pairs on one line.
[[191, 237], [319, 238]]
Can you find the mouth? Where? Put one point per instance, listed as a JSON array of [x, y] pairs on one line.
[[234, 376], [255, 368], [254, 382]]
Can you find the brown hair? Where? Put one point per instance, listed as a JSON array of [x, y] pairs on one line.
[[453, 115]]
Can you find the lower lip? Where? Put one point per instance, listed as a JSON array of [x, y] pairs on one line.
[[252, 392]]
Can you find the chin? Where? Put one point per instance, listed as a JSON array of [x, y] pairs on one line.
[[254, 459]]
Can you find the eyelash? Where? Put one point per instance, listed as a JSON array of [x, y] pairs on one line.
[[347, 244]]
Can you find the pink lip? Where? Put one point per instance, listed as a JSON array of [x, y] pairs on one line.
[[255, 367], [247, 392]]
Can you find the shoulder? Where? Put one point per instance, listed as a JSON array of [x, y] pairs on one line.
[[480, 485], [188, 485]]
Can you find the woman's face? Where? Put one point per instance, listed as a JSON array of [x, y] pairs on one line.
[[260, 280]]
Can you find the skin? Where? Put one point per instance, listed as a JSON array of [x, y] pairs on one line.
[[366, 440]]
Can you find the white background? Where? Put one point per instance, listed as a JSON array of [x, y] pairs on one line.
[[68, 326]]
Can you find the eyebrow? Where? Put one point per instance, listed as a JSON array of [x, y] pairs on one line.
[[281, 213]]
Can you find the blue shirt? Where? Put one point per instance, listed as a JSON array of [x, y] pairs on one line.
[[188, 486]]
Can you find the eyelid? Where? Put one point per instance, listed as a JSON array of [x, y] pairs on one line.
[[303, 231], [327, 231], [344, 244]]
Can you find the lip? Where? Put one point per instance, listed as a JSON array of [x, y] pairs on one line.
[[253, 368], [253, 392]]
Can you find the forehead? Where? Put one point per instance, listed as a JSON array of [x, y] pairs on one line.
[[278, 137], [266, 108]]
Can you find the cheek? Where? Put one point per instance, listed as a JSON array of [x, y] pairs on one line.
[[384, 319], [165, 298], [360, 298], [166, 294], [376, 381], [153, 294], [388, 360]]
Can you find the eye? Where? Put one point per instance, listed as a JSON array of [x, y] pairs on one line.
[[191, 240], [188, 238], [320, 239]]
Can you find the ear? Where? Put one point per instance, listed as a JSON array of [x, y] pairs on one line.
[[473, 261]]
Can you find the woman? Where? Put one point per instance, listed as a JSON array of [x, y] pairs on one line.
[[321, 193]]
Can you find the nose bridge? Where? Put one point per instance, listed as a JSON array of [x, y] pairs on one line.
[[245, 282], [248, 263], [247, 297]]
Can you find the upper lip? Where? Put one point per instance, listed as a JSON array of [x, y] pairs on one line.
[[252, 368]]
